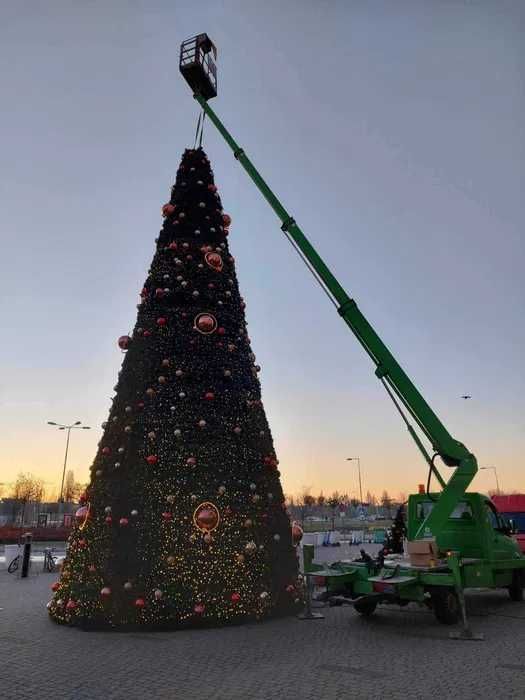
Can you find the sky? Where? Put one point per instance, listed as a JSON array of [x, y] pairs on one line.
[[394, 134]]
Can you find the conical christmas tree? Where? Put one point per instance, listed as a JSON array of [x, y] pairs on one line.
[[183, 522]]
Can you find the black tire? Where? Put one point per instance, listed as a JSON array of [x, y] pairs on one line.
[[516, 587], [365, 607], [445, 604], [13, 566]]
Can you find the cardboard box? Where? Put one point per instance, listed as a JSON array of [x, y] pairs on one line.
[[423, 552]]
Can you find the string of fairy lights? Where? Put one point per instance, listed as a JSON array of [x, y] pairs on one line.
[[183, 522]]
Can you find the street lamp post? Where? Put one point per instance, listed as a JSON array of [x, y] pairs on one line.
[[495, 474], [358, 460], [69, 428]]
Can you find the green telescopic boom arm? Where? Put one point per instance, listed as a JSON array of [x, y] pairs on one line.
[[452, 452]]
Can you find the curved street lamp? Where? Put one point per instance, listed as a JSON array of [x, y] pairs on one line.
[[495, 474], [358, 460], [77, 425]]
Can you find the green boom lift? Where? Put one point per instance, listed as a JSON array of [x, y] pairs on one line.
[[474, 543]]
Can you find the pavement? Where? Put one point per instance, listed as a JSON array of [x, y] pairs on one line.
[[397, 653]]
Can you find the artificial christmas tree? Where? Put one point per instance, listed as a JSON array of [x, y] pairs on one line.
[[183, 522], [396, 533]]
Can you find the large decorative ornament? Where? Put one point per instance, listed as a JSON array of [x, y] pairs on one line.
[[205, 323], [206, 517], [297, 533], [214, 260], [82, 515], [124, 342], [168, 209], [152, 459]]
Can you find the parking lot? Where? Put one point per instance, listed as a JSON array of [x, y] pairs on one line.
[[398, 653]]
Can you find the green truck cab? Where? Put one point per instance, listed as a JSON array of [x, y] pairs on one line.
[[474, 529]]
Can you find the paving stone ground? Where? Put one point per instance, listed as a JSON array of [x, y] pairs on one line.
[[397, 653]]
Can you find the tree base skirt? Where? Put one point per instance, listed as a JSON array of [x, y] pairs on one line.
[[103, 625]]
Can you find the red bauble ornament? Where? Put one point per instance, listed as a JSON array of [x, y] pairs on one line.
[[167, 516], [105, 592], [152, 459], [297, 533], [199, 609], [71, 605], [226, 219], [173, 246], [108, 520], [159, 293], [214, 260], [161, 321], [206, 517], [168, 209], [146, 334], [55, 586], [212, 188], [209, 396], [235, 597], [205, 323], [290, 589], [139, 603], [124, 342], [123, 522], [191, 461], [106, 451], [221, 330]]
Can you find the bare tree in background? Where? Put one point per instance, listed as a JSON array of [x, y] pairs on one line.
[[333, 503], [72, 488], [386, 502], [304, 502], [27, 488], [370, 498]]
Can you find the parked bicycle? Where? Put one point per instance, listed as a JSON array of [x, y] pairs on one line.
[[13, 565], [49, 560]]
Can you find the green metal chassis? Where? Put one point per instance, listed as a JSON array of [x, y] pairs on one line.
[[408, 583]]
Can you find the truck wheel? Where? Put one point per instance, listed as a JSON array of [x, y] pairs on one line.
[[516, 587], [365, 607], [446, 605]]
